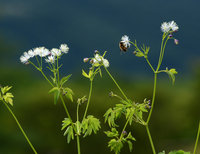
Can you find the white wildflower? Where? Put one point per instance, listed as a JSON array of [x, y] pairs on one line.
[[31, 53], [64, 48], [173, 26], [105, 62], [165, 27], [26, 55], [24, 58], [125, 40], [98, 58], [56, 52], [43, 52], [50, 59]]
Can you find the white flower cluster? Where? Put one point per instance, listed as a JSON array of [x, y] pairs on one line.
[[98, 59], [43, 52], [169, 26], [125, 40]]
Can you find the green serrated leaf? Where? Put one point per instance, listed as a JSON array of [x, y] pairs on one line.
[[172, 72], [139, 54], [130, 145], [54, 89], [65, 123], [70, 134], [112, 133], [85, 74], [130, 137], [89, 125], [68, 93], [115, 145], [5, 89], [56, 96], [65, 79]]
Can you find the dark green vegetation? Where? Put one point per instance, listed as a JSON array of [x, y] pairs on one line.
[[175, 119]]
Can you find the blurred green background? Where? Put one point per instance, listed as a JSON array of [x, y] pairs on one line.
[[86, 26]]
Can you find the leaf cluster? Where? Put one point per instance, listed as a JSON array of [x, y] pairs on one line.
[[143, 52], [6, 96], [65, 91], [131, 110], [88, 126], [117, 141]]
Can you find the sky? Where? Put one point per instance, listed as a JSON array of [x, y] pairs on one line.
[[90, 25]]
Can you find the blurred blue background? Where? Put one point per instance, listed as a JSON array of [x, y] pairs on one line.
[[86, 26]]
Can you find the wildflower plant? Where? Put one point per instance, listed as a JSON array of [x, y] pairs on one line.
[[129, 109], [89, 124], [168, 29], [6, 98]]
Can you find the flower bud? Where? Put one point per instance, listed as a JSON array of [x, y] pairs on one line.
[[134, 52], [170, 35], [124, 132], [176, 41], [96, 51], [111, 94], [85, 60], [91, 61]]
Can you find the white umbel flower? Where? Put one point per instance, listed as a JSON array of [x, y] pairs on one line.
[[165, 27], [31, 53], [24, 58], [64, 48], [41, 51], [173, 26], [98, 58], [125, 40], [56, 52], [50, 59], [105, 62]]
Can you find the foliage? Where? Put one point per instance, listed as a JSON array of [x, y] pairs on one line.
[[6, 96]]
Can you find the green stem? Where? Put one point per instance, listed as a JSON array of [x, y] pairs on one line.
[[116, 83], [150, 139], [89, 97], [20, 128], [125, 127], [58, 72], [161, 49], [67, 112], [46, 78], [196, 143], [78, 144], [153, 98], [78, 133], [150, 65]]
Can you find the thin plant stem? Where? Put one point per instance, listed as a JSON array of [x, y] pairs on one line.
[[125, 127], [46, 78], [116, 83], [20, 127], [37, 61], [89, 97], [150, 139], [58, 72], [78, 133], [67, 112], [42, 73], [153, 98], [150, 64], [161, 49], [197, 139], [78, 144]]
